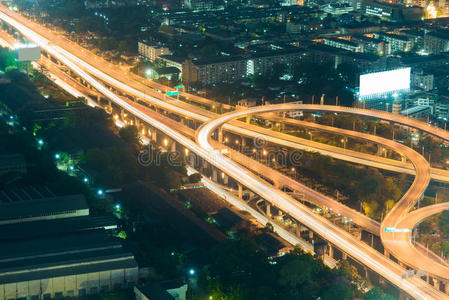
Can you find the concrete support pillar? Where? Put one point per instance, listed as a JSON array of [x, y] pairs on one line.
[[225, 179], [344, 256], [98, 98], [122, 115], [436, 283], [220, 135], [240, 191], [403, 159], [214, 175], [173, 146], [331, 251], [386, 253], [380, 150], [243, 142], [282, 126], [268, 210], [446, 287], [137, 123], [366, 272], [154, 135], [310, 234], [248, 119]]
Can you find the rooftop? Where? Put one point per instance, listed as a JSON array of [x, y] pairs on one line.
[[342, 41], [57, 227], [154, 291], [41, 207]]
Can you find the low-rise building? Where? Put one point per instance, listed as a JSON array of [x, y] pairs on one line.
[[54, 249], [372, 45], [151, 51], [43, 209], [442, 109], [152, 292], [422, 80], [436, 42], [232, 68], [392, 12], [343, 44], [13, 163], [198, 5], [398, 43]]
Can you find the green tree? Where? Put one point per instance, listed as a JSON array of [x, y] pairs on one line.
[[130, 134]]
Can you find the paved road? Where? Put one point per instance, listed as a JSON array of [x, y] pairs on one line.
[[339, 237], [282, 201]]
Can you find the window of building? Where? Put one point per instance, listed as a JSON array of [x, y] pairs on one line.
[[34, 297], [82, 292], [93, 290], [105, 288], [46, 297], [58, 295], [70, 293]]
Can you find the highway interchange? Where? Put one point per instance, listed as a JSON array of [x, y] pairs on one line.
[[371, 258]]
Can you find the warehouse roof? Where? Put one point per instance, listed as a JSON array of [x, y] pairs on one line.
[[42, 207], [46, 228]]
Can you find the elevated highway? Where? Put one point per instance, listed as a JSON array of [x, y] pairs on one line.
[[396, 214], [378, 263]]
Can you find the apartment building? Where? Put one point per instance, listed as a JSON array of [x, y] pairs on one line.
[[229, 69], [398, 43], [151, 51], [436, 42]]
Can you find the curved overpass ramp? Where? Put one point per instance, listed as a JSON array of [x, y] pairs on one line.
[[399, 211]]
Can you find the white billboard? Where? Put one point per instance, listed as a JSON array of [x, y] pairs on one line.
[[29, 52], [384, 82]]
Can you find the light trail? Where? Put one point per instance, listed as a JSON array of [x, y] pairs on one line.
[[290, 205], [386, 268]]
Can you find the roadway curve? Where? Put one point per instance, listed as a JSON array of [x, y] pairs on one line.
[[393, 218], [340, 238], [135, 86]]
